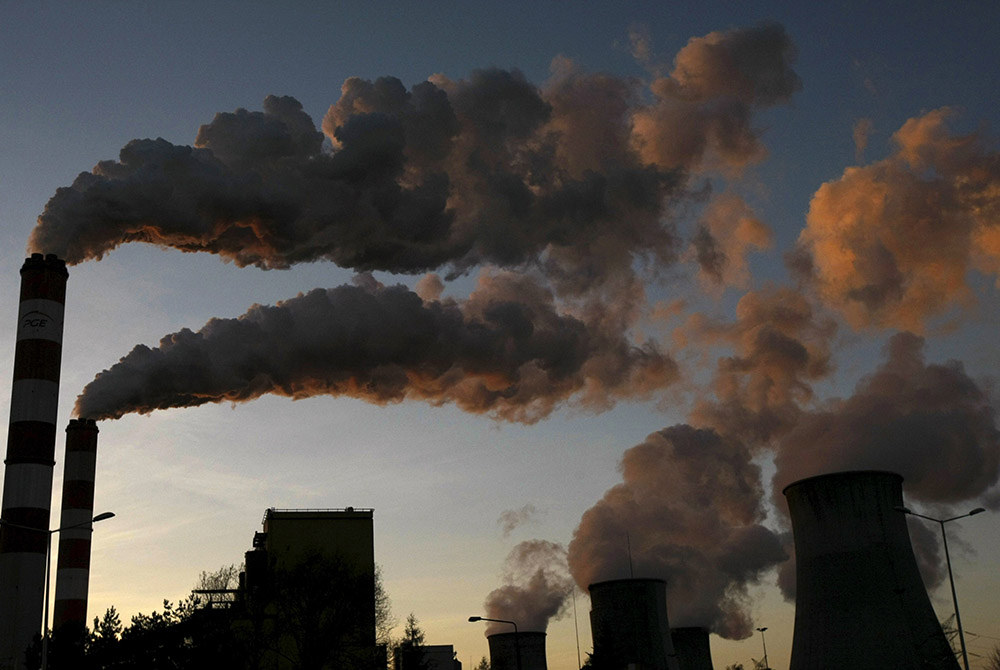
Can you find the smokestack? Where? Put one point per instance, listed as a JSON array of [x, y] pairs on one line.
[[692, 648], [628, 621], [504, 651], [860, 602], [73, 573], [31, 440]]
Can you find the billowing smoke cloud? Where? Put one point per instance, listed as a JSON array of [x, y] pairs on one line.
[[689, 507], [782, 345], [892, 244], [709, 97], [575, 177], [929, 422], [536, 588], [505, 351], [727, 233], [512, 519]]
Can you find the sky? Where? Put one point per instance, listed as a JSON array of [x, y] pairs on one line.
[[523, 278]]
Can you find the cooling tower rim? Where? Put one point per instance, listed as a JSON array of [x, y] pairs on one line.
[[841, 474], [77, 424], [520, 633], [631, 580]]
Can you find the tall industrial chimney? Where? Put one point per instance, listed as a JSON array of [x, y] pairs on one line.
[[692, 647], [504, 649], [31, 441], [628, 621], [860, 602], [73, 573]]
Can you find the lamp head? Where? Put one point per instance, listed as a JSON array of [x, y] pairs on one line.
[[904, 510], [473, 619], [762, 629], [103, 515], [977, 511]]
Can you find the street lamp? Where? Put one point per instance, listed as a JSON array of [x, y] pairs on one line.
[[517, 641], [951, 578], [764, 642], [48, 569]]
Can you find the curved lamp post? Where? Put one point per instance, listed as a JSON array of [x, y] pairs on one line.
[[947, 557], [48, 569], [517, 641], [764, 642]]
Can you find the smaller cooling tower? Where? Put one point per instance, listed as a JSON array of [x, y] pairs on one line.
[[73, 572], [628, 621], [692, 648], [860, 602], [504, 650]]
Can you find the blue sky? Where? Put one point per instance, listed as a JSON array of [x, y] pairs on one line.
[[189, 485]]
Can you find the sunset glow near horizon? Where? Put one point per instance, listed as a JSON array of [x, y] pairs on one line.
[[525, 282]]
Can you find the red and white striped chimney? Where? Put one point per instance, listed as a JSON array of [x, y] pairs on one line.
[[31, 441], [73, 573]]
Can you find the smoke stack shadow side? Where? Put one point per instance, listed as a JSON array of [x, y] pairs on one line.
[[860, 600], [505, 647], [73, 571], [692, 647], [31, 439], [629, 624]]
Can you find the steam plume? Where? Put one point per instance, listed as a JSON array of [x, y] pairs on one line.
[[930, 423], [690, 505], [505, 351], [891, 244], [535, 590]]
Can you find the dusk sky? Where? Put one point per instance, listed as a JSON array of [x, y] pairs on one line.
[[525, 278]]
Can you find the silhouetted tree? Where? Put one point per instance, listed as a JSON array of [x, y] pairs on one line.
[[484, 664], [410, 649]]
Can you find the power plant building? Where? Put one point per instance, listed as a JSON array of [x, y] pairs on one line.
[[315, 565], [860, 602]]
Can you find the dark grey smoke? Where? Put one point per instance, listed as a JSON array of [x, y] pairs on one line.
[[576, 177], [505, 351]]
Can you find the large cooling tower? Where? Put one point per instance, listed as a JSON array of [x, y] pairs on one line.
[[31, 442], [504, 650], [692, 648], [860, 602], [73, 573], [628, 621]]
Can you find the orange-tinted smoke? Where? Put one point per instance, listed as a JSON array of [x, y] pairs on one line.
[[892, 244], [505, 351]]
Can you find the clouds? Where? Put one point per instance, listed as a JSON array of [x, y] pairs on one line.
[[891, 244], [535, 590]]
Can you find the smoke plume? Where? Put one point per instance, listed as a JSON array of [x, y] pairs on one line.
[[575, 177], [689, 508], [929, 422], [536, 587], [505, 351], [892, 244], [513, 518]]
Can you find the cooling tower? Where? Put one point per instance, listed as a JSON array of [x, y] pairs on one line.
[[692, 648], [504, 650], [31, 440], [860, 602], [73, 573], [628, 621]]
